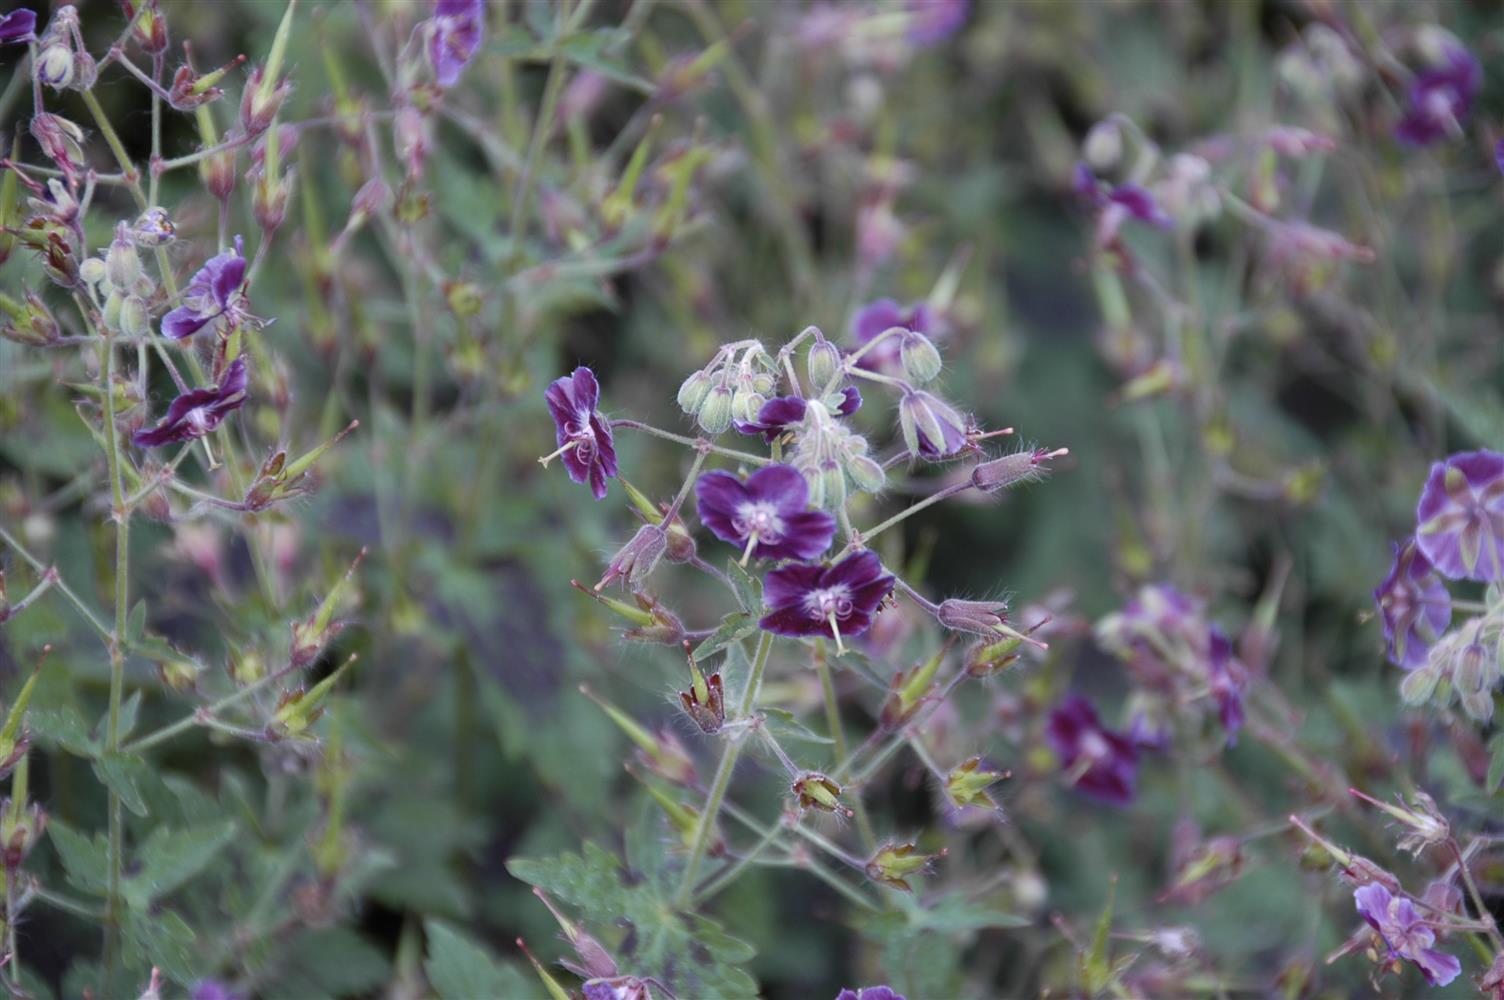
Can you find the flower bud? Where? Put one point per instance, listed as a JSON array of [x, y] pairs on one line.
[[1103, 145], [867, 474], [921, 361], [894, 863], [832, 486], [693, 392], [92, 271], [153, 228], [260, 101], [112, 304], [61, 139], [816, 791], [744, 406], [824, 363], [930, 427], [977, 617], [715, 412], [135, 318], [121, 264], [55, 66]]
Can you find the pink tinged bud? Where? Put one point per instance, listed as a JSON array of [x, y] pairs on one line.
[[1010, 470]]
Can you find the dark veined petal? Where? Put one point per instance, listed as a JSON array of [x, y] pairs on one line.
[[781, 485], [717, 495]]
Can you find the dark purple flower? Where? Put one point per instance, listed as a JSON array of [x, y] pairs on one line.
[[197, 412], [775, 416], [1415, 606], [1117, 205], [884, 314], [1100, 762], [584, 437], [851, 401], [766, 516], [1440, 99], [1460, 518], [870, 993], [1499, 155], [1405, 933], [18, 26], [834, 601], [209, 989], [931, 427], [932, 21], [454, 37], [213, 292], [1229, 679]]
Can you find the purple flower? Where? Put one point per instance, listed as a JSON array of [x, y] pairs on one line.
[[932, 21], [1415, 606], [1460, 517], [851, 401], [1405, 933], [833, 601], [766, 516], [775, 416], [209, 989], [454, 36], [884, 314], [213, 292], [1101, 763], [1117, 205], [1499, 155], [1440, 99], [584, 437], [18, 26], [1229, 679], [870, 993], [197, 412], [931, 428]]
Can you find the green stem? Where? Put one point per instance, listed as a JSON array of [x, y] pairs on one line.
[[1472, 890], [838, 738], [913, 509], [189, 721], [714, 449], [705, 828], [89, 614]]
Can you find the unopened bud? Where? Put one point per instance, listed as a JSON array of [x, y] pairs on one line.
[[832, 487], [977, 617], [1010, 470], [921, 361], [122, 266], [135, 318], [867, 474], [823, 364], [693, 391], [55, 66], [715, 412], [92, 271], [1103, 145], [744, 406]]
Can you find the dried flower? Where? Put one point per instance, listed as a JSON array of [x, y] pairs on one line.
[[1460, 518], [816, 791], [1099, 761], [1404, 933], [1023, 466], [766, 516], [198, 411], [833, 601], [583, 435]]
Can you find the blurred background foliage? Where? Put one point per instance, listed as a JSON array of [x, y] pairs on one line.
[[466, 741]]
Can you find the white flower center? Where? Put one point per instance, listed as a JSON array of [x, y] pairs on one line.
[[829, 601], [198, 418], [1094, 747], [759, 519]]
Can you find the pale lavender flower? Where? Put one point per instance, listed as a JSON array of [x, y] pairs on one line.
[[1405, 933], [1460, 517], [1440, 99], [455, 35]]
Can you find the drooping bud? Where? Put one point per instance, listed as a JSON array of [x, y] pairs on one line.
[[61, 140], [135, 317], [744, 405], [693, 391], [867, 474], [977, 617], [1103, 145], [966, 785], [122, 265], [893, 864], [824, 363], [920, 359], [715, 412], [54, 66], [816, 791], [930, 427]]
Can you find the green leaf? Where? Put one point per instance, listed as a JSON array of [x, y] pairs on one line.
[[129, 712], [588, 49], [748, 587], [692, 955], [135, 625], [86, 861], [122, 774], [783, 725], [459, 968], [336, 962], [62, 726], [169, 858], [164, 940], [1495, 764], [733, 628]]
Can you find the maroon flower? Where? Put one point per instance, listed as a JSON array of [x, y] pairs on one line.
[[1100, 762], [1415, 606], [766, 516], [1405, 933], [584, 437], [1440, 99], [18, 26], [196, 413], [455, 35], [775, 417], [833, 601], [214, 292], [1460, 517], [884, 314]]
